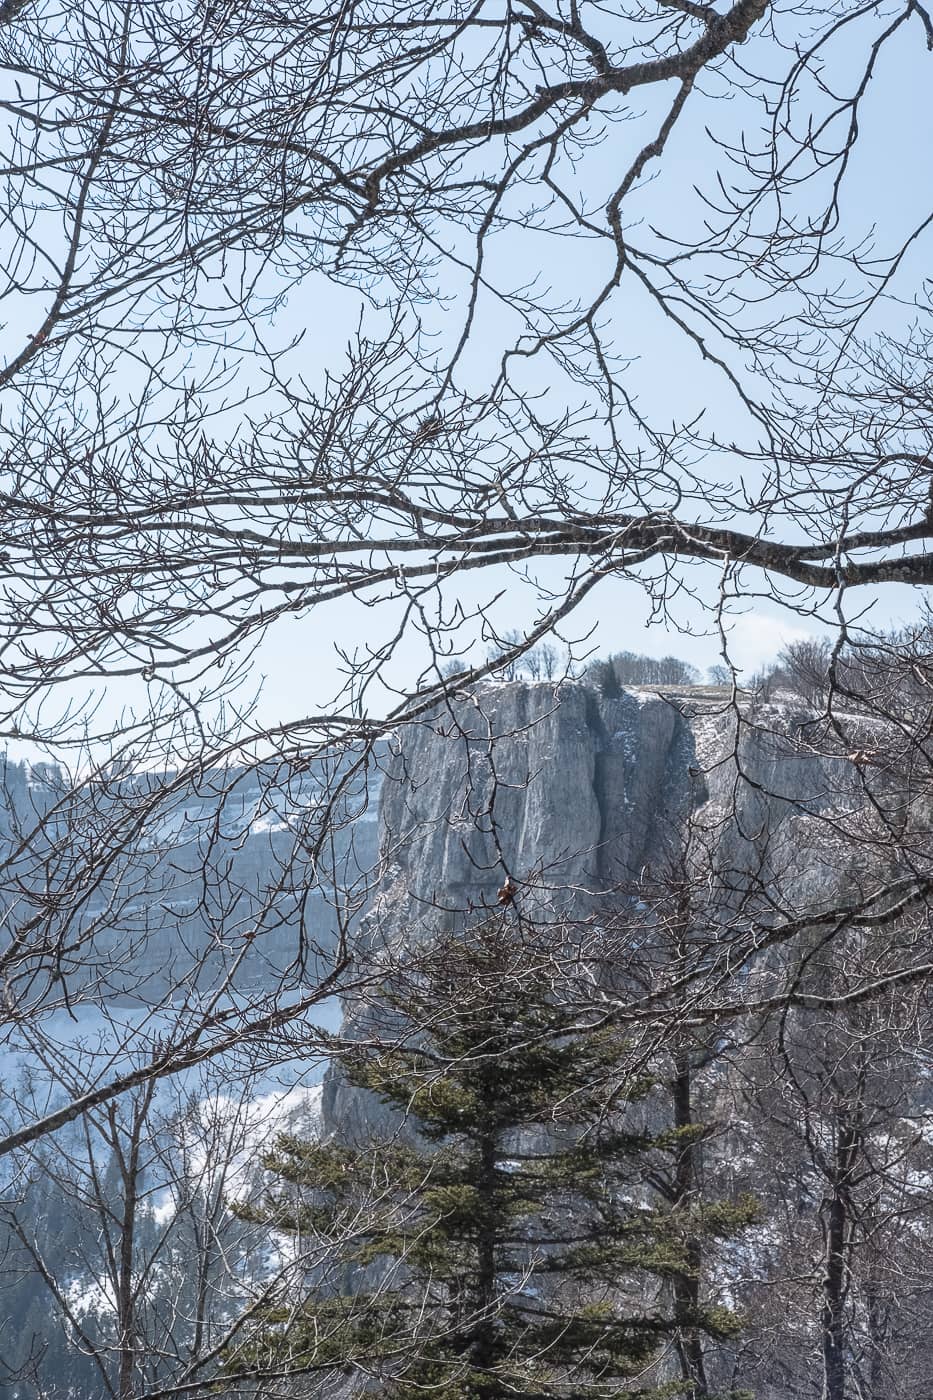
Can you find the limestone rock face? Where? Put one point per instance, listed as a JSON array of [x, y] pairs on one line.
[[553, 787], [570, 793]]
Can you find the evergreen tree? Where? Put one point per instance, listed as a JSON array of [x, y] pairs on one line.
[[510, 1247]]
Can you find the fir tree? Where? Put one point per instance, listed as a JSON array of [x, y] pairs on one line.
[[510, 1247]]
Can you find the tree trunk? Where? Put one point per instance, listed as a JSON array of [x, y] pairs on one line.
[[483, 1335], [835, 1282], [877, 1336], [686, 1286]]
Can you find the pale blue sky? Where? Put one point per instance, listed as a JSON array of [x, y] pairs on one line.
[[888, 193]]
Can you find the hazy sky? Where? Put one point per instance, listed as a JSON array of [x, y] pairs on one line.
[[886, 195]]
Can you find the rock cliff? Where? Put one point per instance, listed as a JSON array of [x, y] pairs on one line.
[[198, 870], [571, 792]]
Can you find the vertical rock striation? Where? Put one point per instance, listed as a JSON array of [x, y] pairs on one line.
[[571, 793]]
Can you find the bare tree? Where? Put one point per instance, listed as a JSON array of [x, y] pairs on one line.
[[546, 372], [190, 173], [147, 1270], [180, 476]]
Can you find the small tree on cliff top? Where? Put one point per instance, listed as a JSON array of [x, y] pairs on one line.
[[513, 1249]]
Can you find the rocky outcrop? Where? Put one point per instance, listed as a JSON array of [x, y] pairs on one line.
[[571, 793], [556, 787]]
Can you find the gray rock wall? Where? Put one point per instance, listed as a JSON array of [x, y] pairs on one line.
[[571, 793], [563, 789]]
